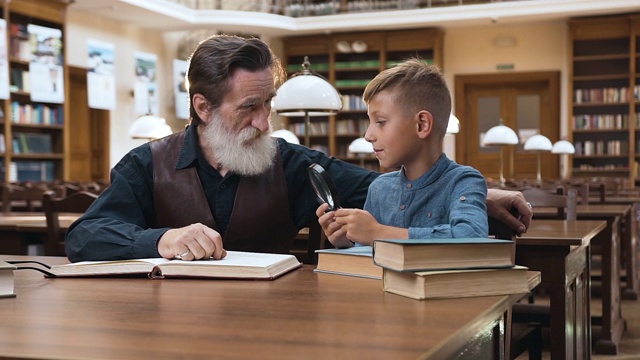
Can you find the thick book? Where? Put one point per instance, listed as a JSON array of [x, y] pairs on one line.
[[354, 261], [442, 254], [6, 280], [236, 265], [459, 283]]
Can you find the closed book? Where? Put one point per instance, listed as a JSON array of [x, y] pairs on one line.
[[236, 265], [6, 280], [442, 254], [437, 284], [354, 261]]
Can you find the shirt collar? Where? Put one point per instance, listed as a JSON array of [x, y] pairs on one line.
[[432, 175], [190, 151]]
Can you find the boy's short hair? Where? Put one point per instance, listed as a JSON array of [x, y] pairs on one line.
[[416, 86]]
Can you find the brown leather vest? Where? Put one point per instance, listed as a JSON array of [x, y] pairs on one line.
[[260, 219]]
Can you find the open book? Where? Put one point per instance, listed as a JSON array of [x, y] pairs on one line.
[[236, 265]]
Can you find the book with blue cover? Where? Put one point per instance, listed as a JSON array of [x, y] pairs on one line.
[[443, 254]]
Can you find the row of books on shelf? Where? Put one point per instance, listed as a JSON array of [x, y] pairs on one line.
[[20, 80], [608, 167], [601, 147], [29, 170], [605, 95], [31, 143], [598, 121], [353, 103], [19, 44], [434, 268], [36, 114], [351, 126], [316, 128]]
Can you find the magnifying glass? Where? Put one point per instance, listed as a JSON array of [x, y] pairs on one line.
[[324, 187]]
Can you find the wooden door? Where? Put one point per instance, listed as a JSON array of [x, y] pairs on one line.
[[528, 103], [88, 133]]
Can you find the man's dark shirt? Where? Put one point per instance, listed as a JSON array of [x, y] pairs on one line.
[[116, 226]]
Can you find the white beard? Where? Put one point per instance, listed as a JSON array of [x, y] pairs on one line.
[[246, 153]]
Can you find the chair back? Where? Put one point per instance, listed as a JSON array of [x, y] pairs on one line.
[[53, 207], [566, 204], [25, 196]]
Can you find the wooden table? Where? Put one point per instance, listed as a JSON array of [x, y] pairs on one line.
[[302, 315], [609, 243], [560, 250], [629, 244], [19, 229]]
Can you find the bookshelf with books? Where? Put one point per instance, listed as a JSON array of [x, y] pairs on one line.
[[349, 61], [604, 85], [35, 115]]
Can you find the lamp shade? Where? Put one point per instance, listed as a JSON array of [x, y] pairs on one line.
[[500, 135], [287, 135], [453, 127], [149, 127], [538, 143], [361, 146], [307, 94], [563, 147]]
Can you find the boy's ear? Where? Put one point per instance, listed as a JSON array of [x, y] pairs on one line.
[[425, 124], [201, 106]]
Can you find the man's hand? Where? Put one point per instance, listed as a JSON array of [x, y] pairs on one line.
[[193, 242], [500, 203]]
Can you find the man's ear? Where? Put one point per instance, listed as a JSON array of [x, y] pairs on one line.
[[201, 106], [425, 123]]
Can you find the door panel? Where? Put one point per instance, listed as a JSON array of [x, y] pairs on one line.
[[527, 104]]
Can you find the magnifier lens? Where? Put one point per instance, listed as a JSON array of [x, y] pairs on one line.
[[323, 186]]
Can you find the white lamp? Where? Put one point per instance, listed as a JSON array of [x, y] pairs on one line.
[[361, 148], [500, 135], [307, 93], [453, 127], [564, 148], [149, 127], [538, 143], [287, 135]]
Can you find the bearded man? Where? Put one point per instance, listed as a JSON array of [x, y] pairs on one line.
[[223, 183]]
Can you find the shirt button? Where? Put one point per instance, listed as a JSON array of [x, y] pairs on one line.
[[409, 186], [463, 198], [429, 214], [402, 207]]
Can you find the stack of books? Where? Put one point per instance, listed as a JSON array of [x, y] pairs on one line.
[[451, 268]]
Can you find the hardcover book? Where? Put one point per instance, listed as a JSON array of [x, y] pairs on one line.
[[460, 283], [236, 265], [6, 280], [442, 254], [354, 261]]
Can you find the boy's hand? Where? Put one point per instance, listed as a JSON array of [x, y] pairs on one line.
[[358, 225], [331, 229]]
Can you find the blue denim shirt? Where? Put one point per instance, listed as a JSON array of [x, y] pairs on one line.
[[448, 201], [117, 225]]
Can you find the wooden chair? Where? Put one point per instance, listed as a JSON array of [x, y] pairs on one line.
[[76, 203], [25, 196], [566, 204]]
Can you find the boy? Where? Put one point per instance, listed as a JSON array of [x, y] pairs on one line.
[[430, 196]]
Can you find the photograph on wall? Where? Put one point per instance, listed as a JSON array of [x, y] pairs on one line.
[[101, 80], [4, 62], [181, 95], [145, 90], [45, 67]]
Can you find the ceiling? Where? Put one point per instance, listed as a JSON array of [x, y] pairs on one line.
[[164, 15]]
